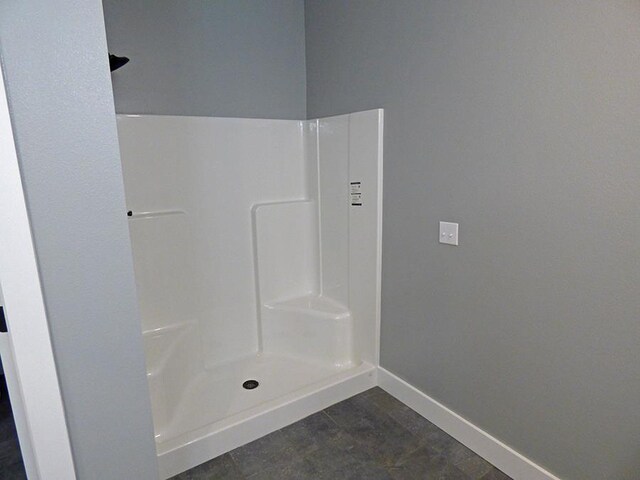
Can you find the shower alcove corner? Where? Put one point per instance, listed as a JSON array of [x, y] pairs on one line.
[[256, 249]]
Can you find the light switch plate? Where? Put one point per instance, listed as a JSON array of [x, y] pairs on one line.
[[449, 233]]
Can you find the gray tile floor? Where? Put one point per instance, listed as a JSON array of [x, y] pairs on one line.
[[11, 467], [370, 436]]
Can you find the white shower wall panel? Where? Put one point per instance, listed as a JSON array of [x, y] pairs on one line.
[[286, 242], [333, 182], [349, 151], [191, 182], [365, 230], [253, 260], [164, 260]]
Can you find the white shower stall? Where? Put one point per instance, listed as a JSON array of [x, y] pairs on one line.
[[257, 247]]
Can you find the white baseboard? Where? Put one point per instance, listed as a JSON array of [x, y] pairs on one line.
[[491, 449]]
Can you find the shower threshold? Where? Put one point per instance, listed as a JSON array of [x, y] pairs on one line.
[[216, 414]]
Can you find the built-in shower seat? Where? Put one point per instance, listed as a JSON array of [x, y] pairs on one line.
[[312, 326], [295, 318]]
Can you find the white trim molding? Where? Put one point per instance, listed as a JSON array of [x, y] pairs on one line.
[[29, 344], [488, 447]]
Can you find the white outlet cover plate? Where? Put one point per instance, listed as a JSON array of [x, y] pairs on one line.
[[449, 233]]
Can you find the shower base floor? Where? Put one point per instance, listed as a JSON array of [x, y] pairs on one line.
[[216, 414], [217, 392]]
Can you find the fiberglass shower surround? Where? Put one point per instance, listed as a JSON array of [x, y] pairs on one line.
[[256, 247]]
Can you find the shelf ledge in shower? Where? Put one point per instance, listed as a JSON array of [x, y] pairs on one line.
[[172, 328], [319, 304], [157, 213]]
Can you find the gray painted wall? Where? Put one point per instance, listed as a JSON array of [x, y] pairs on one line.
[[519, 120], [224, 58], [56, 73]]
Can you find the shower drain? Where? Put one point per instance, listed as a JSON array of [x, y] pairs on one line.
[[250, 384]]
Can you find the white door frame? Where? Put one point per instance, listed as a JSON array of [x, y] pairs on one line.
[[28, 341]]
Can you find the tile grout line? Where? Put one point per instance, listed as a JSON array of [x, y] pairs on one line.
[[332, 420]]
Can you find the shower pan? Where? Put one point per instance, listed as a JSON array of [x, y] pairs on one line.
[[256, 248]]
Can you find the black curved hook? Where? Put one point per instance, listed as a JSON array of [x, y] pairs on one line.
[[116, 62]]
